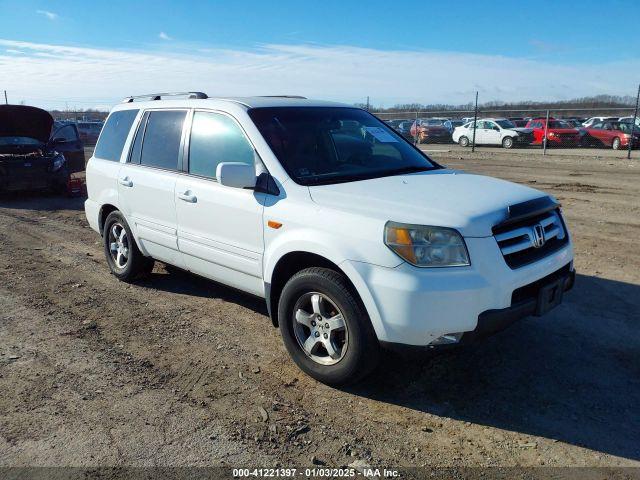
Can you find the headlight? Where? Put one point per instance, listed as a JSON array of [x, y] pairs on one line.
[[57, 163], [425, 246]]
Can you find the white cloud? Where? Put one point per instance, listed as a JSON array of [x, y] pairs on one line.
[[49, 75], [48, 14], [164, 36]]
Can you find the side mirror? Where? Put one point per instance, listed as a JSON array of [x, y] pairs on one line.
[[497, 129], [236, 174]]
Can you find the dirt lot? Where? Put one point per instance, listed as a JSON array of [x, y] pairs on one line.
[[177, 370]]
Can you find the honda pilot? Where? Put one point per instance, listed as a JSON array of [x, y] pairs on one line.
[[357, 240]]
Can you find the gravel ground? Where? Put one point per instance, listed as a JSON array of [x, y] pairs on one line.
[[177, 370]]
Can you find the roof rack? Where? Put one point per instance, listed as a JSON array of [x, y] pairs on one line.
[[158, 96], [282, 96]]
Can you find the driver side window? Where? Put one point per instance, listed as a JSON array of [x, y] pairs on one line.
[[66, 133]]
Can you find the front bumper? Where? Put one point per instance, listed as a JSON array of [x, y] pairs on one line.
[[414, 306]]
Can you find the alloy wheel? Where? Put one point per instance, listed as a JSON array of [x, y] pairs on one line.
[[119, 245], [320, 328]]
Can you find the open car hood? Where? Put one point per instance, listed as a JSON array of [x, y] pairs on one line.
[[25, 121]]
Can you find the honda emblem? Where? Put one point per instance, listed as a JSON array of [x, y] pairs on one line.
[[537, 237]]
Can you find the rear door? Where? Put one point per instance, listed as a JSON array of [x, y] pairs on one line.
[[220, 231], [66, 140], [146, 183]]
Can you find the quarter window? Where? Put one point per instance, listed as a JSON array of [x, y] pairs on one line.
[[216, 138], [114, 134], [161, 144]]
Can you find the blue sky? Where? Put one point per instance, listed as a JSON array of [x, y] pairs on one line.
[[396, 52]]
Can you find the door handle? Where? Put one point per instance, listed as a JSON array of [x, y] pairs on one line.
[[126, 181], [188, 197]]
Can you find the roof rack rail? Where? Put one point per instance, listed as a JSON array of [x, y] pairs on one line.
[[158, 96], [283, 96]]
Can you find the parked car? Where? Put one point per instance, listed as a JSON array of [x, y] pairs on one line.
[[430, 130], [90, 131], [559, 133], [35, 153], [356, 242], [630, 120], [519, 122], [493, 131], [452, 124], [613, 134], [404, 129], [592, 120]]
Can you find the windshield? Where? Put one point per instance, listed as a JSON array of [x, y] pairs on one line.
[[432, 123], [323, 145], [506, 123], [8, 141]]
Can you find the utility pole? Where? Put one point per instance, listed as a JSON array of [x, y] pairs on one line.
[[367, 103], [475, 121], [544, 139], [633, 124], [5, 98]]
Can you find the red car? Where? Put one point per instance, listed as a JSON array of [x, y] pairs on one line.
[[559, 133], [613, 134], [430, 130]]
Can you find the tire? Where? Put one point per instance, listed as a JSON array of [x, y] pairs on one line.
[[463, 141], [507, 142], [616, 144], [320, 291], [127, 262]]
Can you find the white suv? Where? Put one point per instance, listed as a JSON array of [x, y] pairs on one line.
[[356, 239]]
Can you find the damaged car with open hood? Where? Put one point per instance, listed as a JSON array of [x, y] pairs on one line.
[[37, 153]]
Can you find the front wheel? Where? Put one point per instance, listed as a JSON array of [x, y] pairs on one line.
[[463, 141], [507, 142], [124, 258], [325, 328]]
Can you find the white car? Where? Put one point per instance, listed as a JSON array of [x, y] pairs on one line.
[[630, 120], [356, 239], [492, 131]]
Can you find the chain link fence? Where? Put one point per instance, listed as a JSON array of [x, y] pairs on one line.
[[605, 131], [609, 131]]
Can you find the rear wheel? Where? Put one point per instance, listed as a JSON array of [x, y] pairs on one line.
[[507, 142], [325, 328], [463, 141], [123, 256], [616, 143]]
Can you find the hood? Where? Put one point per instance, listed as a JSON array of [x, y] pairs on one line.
[[522, 130], [564, 130], [470, 203], [24, 121]]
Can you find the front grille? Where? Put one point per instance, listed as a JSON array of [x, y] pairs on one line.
[[517, 240]]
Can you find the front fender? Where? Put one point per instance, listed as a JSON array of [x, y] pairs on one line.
[[323, 245]]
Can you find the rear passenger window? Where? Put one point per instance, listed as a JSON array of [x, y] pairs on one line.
[[216, 138], [114, 134], [161, 144]]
